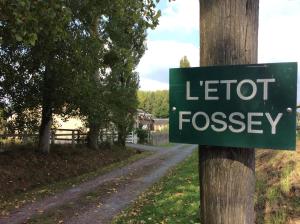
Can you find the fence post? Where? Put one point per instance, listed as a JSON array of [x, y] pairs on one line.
[[78, 136], [73, 139], [53, 137], [25, 138]]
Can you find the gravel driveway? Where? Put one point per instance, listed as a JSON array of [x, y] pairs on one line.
[[128, 181]]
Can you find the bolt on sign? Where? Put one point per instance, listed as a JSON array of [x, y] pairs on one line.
[[249, 106]]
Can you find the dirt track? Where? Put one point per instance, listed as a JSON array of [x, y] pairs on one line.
[[128, 182]]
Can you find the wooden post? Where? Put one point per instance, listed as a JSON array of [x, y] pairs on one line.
[[52, 137], [228, 35], [25, 138], [73, 139], [78, 137]]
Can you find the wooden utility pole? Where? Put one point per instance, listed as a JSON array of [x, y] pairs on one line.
[[228, 35]]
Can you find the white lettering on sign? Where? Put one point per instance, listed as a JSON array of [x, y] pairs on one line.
[[265, 82], [252, 122], [181, 119], [210, 90], [239, 89], [246, 89], [274, 123], [228, 89], [235, 122], [218, 121], [188, 92], [206, 123]]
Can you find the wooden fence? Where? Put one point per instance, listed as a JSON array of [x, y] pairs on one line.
[[62, 136], [159, 138]]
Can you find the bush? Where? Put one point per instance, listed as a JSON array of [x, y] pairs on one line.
[[142, 135]]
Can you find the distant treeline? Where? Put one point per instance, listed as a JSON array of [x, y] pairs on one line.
[[155, 102]]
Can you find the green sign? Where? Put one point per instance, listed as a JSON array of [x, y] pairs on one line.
[[249, 106]]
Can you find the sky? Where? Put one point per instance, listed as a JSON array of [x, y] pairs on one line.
[[177, 35]]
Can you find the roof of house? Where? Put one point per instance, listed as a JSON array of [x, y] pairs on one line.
[[161, 121]]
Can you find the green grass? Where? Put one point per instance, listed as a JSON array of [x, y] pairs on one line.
[[166, 145], [275, 201], [285, 183], [175, 199]]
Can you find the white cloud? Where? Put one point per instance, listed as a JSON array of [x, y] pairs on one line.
[[279, 35], [278, 31], [180, 15], [166, 54], [153, 85], [162, 55]]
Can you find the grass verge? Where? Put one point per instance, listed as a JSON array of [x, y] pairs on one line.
[[26, 176], [175, 199], [277, 186]]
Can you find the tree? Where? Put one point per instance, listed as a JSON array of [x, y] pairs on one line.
[[128, 36], [33, 37], [56, 56], [46, 50], [184, 62], [154, 102], [123, 30], [161, 104], [227, 179]]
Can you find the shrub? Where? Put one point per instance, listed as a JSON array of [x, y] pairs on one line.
[[142, 135]]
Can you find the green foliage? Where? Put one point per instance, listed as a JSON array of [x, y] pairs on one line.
[[2, 121], [156, 103], [142, 135], [42, 55], [184, 62], [72, 58]]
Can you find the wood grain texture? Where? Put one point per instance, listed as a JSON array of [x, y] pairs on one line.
[[228, 35]]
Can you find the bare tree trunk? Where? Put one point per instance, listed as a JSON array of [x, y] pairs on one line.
[[228, 35], [47, 111], [93, 135], [122, 136], [45, 128]]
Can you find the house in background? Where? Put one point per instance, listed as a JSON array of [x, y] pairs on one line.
[[161, 124], [144, 120], [70, 123]]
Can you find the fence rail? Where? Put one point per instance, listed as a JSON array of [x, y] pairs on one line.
[[65, 136]]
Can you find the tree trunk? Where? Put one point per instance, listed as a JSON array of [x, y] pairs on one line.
[[45, 128], [122, 136], [93, 135], [47, 111], [228, 35]]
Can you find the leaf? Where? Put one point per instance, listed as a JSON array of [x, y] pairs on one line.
[[32, 39], [18, 37]]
